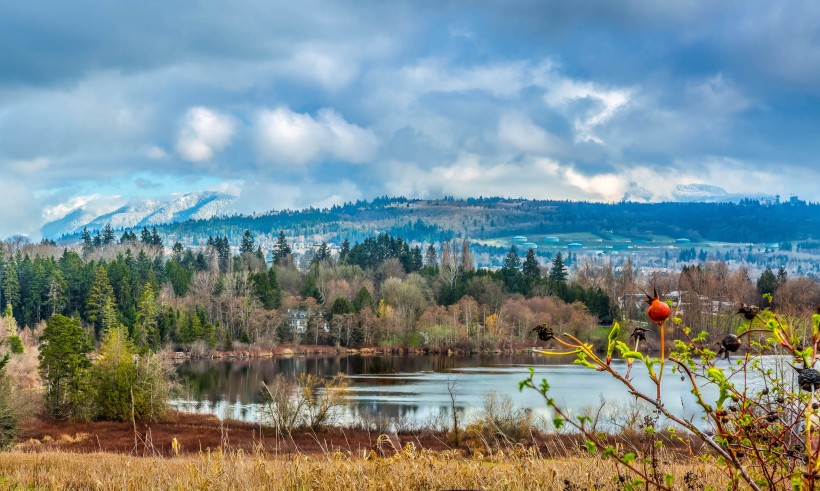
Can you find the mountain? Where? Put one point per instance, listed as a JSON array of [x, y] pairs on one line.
[[689, 193], [146, 213]]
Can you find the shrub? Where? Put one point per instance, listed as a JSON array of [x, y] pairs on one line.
[[500, 420], [129, 386], [64, 348], [16, 345], [311, 402], [8, 420], [763, 433]]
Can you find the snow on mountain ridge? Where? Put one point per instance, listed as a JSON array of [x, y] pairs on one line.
[[198, 205]]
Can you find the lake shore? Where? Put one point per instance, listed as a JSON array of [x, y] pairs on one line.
[[285, 350]]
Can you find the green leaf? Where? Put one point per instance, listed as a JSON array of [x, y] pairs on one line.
[[590, 446], [629, 458], [633, 355], [558, 422]]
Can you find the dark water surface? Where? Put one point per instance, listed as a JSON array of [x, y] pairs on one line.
[[413, 390]]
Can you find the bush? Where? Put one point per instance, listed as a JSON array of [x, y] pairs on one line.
[[129, 386], [64, 348], [8, 420], [500, 420], [761, 427], [16, 345], [311, 402]]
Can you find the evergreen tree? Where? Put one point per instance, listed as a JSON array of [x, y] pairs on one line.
[[100, 309], [512, 261], [363, 300], [246, 246], [177, 251], [558, 273], [146, 330], [57, 296], [156, 240], [281, 249], [11, 286], [430, 257], [64, 347], [344, 252], [767, 283], [145, 236], [108, 235], [782, 276], [85, 237], [530, 267]]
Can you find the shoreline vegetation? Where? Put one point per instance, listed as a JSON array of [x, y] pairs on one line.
[[324, 350]]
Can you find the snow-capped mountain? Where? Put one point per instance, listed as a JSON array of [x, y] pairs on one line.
[[704, 193], [147, 213]]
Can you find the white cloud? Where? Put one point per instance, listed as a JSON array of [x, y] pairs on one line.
[[261, 196], [521, 134], [607, 102], [288, 137], [204, 132], [94, 204]]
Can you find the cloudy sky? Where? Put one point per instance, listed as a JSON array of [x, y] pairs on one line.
[[290, 104]]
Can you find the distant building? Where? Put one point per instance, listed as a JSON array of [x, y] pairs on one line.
[[298, 320], [519, 239], [575, 245], [683, 241], [552, 240], [530, 245]]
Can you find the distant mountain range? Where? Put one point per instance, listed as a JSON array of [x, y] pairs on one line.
[[688, 193], [148, 213], [700, 212]]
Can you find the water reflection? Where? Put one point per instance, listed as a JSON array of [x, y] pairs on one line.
[[414, 388]]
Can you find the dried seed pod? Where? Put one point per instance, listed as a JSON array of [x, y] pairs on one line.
[[639, 334], [808, 378], [545, 333], [729, 344], [748, 311]]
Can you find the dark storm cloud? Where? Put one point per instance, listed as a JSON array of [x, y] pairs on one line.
[[297, 104]]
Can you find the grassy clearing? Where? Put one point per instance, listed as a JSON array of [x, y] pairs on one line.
[[408, 469]]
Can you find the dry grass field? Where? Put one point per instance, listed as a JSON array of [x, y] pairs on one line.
[[408, 468]]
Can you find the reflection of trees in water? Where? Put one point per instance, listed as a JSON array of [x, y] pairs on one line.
[[241, 380]]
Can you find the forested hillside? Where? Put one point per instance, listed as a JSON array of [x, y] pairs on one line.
[[487, 218]]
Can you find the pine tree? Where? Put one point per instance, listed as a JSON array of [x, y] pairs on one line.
[[64, 347], [146, 329], [108, 235], [512, 261], [530, 267], [430, 257], [344, 252], [247, 244], [466, 257], [57, 297], [558, 273], [156, 240], [100, 309], [145, 236], [281, 249], [11, 286]]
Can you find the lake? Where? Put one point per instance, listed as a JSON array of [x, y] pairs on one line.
[[412, 391]]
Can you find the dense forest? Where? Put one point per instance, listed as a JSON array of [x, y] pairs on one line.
[[482, 218], [381, 291]]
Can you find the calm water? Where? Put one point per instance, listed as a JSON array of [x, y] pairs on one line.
[[413, 389]]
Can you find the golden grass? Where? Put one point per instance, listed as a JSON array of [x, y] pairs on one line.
[[408, 469]]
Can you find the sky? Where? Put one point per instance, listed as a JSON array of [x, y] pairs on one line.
[[313, 103]]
